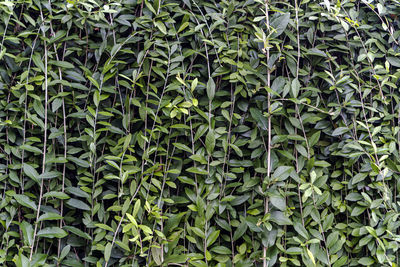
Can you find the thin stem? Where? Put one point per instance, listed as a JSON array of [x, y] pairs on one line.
[[44, 144], [266, 205]]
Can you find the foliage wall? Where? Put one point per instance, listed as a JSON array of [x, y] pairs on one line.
[[199, 133]]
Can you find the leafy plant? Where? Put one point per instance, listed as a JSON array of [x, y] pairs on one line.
[[199, 133]]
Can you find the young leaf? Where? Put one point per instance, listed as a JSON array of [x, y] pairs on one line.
[[210, 89]]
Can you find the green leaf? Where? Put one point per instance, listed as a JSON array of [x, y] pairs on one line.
[[94, 82], [173, 222], [174, 258], [340, 131], [394, 61], [78, 204], [52, 232], [49, 175], [25, 201], [366, 261], [56, 104], [161, 27], [259, 118], [197, 170], [79, 162], [31, 172], [210, 141], [357, 211], [295, 87], [38, 61], [199, 158], [146, 229], [198, 232], [314, 138], [27, 231], [150, 7], [210, 89], [77, 192], [279, 23], [61, 64], [316, 52], [311, 256], [301, 230], [59, 195], [65, 251], [156, 5], [136, 208], [183, 147], [107, 251], [96, 98], [21, 260], [122, 245], [31, 149], [156, 255], [282, 173], [359, 177], [237, 150], [77, 232], [48, 216], [332, 239], [104, 226], [183, 26], [212, 237], [221, 250], [278, 202], [240, 231], [280, 218]]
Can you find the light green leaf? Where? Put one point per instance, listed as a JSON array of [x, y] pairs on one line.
[[210, 89], [31, 172], [295, 87], [27, 231], [182, 147], [25, 201], [31, 149], [107, 251], [61, 64], [197, 170], [52, 232], [366, 261], [48, 216], [161, 26], [59, 195], [183, 26]]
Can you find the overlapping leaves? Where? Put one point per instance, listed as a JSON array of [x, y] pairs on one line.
[[199, 133]]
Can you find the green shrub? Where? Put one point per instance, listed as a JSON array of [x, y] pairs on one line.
[[199, 133]]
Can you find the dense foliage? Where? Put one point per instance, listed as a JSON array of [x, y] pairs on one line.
[[199, 133]]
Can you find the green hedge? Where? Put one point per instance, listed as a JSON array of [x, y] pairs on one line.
[[199, 133]]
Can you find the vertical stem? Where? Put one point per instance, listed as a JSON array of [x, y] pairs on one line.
[[25, 115], [265, 264], [44, 147], [64, 131], [209, 156]]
